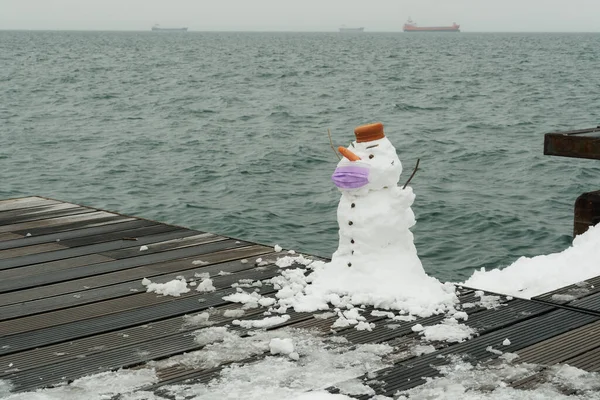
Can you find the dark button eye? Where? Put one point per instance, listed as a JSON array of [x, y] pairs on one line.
[[371, 156]]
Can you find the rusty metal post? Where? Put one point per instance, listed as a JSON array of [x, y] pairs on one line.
[[583, 143], [587, 212]]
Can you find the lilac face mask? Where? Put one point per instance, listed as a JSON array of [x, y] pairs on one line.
[[350, 177]]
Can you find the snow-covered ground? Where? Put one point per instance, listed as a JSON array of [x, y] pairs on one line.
[[295, 361], [317, 363]]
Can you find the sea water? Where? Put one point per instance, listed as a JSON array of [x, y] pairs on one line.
[[227, 132]]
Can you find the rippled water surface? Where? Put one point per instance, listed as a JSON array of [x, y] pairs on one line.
[[227, 132]]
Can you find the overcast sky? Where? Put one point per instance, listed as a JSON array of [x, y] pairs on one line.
[[302, 15]]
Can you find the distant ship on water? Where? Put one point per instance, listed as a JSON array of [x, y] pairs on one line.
[[411, 26], [156, 27], [352, 30]]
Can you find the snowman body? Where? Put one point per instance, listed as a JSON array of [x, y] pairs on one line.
[[376, 262], [375, 219]]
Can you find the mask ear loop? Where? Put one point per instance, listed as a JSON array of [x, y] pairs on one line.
[[331, 143]]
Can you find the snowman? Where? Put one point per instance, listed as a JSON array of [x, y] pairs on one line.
[[376, 262], [374, 214]]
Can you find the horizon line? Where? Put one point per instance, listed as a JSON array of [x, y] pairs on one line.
[[261, 31]]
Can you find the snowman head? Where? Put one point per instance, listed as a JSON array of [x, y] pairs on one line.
[[369, 163]]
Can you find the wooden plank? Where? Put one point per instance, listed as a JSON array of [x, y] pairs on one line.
[[95, 221], [569, 293], [24, 273], [24, 202], [35, 249], [511, 312], [129, 318], [110, 322], [85, 312], [158, 329], [9, 236], [177, 266], [206, 375], [351, 334], [48, 215], [100, 248], [141, 228], [120, 357], [7, 215], [129, 337], [482, 320], [562, 347], [151, 345], [19, 200], [412, 373], [25, 226], [118, 265], [131, 300], [168, 244], [82, 233], [114, 350], [589, 360], [38, 305]]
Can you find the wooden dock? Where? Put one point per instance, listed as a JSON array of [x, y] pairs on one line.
[[72, 303]]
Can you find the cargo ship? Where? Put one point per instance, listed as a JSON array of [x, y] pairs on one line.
[[158, 28], [352, 30], [411, 26]]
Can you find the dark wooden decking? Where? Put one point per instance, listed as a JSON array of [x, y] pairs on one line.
[[72, 303]]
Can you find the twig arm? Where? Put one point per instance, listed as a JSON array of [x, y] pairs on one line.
[[413, 174], [331, 143]]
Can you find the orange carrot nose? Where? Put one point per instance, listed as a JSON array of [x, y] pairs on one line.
[[348, 154]]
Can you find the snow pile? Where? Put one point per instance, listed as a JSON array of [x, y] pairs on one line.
[[293, 284], [528, 277], [200, 319], [488, 301], [233, 313], [206, 286], [5, 387], [575, 379], [321, 362], [449, 330], [418, 349], [283, 346], [176, 287], [264, 323], [288, 261], [249, 300], [354, 387], [322, 396], [461, 380], [106, 385]]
